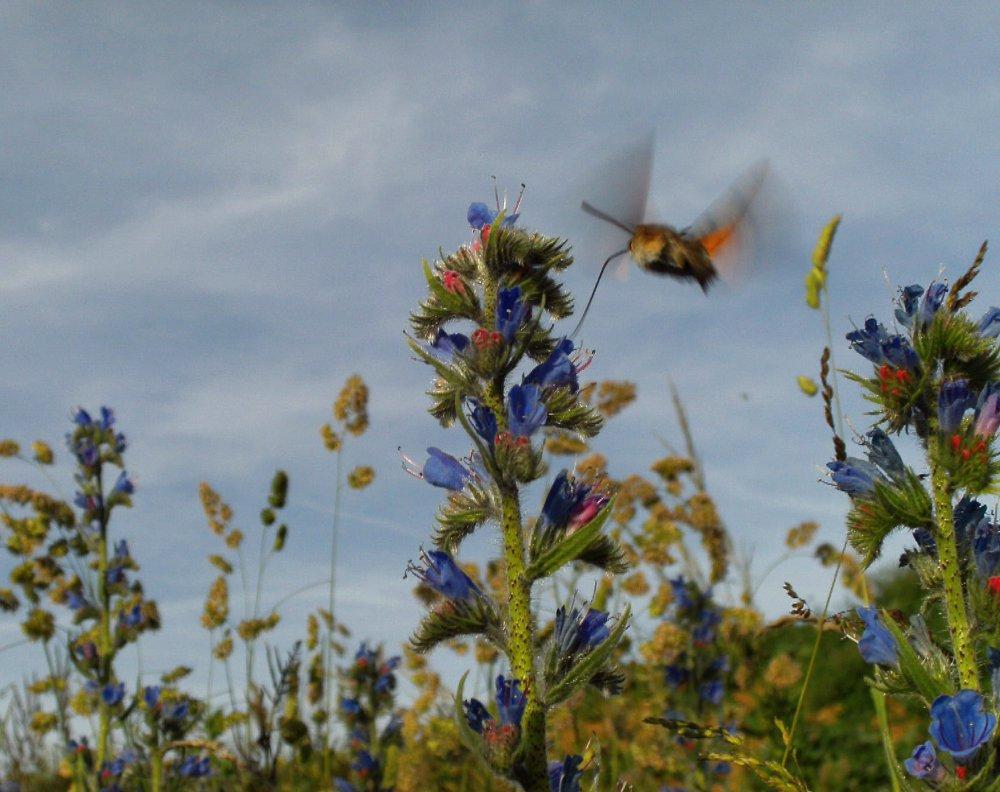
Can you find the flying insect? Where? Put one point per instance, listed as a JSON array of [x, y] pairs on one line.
[[715, 242]]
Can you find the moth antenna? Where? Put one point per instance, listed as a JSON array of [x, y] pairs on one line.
[[594, 290], [605, 217], [496, 193], [519, 196]]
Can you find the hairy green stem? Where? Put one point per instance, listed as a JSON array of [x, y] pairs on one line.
[[951, 575], [105, 649]]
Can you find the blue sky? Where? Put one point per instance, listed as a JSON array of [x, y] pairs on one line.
[[214, 213]]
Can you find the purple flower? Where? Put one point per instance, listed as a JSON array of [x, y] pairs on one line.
[[576, 632], [883, 454], [131, 618], [511, 700], [960, 724], [121, 550], [908, 301], [476, 714], [564, 776], [953, 402], [854, 476], [988, 410], [444, 470], [447, 346], [989, 325], [75, 600], [899, 354], [113, 694], [967, 516], [877, 644], [511, 312], [81, 417], [526, 412], [929, 306], [441, 573], [483, 420], [86, 452], [557, 371], [924, 763]]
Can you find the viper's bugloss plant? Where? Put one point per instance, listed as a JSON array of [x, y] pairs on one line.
[[503, 288], [934, 375], [367, 710]]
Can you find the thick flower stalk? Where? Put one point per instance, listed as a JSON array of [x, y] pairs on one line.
[[503, 288], [937, 376]]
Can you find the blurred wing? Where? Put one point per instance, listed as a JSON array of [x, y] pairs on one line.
[[728, 228], [619, 187]]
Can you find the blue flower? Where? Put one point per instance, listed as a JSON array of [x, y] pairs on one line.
[[899, 353], [882, 453], [967, 515], [564, 497], [124, 484], [365, 764], [476, 714], [511, 701], [681, 594], [953, 402], [441, 573], [365, 657], [483, 420], [676, 675], [986, 549], [107, 417], [447, 346], [113, 694], [908, 302], [557, 370], [385, 683], [81, 417], [925, 541], [929, 306], [444, 470], [343, 785], [75, 600], [511, 312], [178, 712], [350, 706], [877, 644], [86, 452], [480, 215], [704, 633], [132, 617], [712, 692], [960, 725], [564, 776], [989, 325], [121, 550], [193, 767], [867, 341], [576, 632], [854, 476], [526, 412], [151, 695]]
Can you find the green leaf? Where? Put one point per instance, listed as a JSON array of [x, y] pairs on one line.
[[588, 665], [911, 666], [568, 548], [469, 738], [456, 618], [899, 783]]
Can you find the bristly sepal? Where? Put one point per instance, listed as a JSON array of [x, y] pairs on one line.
[[457, 618], [902, 503], [565, 681], [568, 412], [463, 512], [548, 557], [450, 298]]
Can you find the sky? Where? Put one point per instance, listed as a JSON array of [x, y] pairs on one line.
[[212, 214]]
